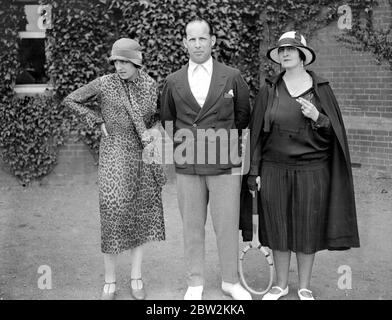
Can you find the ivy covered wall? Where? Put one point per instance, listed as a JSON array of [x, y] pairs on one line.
[[80, 41]]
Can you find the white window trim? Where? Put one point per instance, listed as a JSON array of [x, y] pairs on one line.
[[34, 88], [32, 34]]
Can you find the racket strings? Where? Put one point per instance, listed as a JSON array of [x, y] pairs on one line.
[[256, 269]]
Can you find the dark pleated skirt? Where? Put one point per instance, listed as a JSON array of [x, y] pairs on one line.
[[294, 202]]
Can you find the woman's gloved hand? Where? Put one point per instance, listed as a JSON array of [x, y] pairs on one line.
[[103, 129], [253, 183]]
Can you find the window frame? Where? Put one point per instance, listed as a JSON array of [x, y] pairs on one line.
[[33, 88]]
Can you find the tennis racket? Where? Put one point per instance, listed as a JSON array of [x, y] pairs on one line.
[[256, 245]]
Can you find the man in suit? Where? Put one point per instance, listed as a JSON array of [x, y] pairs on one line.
[[203, 100]]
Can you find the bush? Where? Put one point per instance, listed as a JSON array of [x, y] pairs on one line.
[[32, 129]]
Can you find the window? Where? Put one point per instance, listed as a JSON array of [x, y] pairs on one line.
[[32, 59], [33, 79]]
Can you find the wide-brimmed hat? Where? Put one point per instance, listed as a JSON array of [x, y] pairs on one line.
[[292, 39], [127, 49]]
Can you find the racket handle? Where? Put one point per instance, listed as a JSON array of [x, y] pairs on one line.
[[255, 221], [254, 203]]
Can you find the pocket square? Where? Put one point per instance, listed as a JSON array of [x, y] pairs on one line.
[[229, 94]]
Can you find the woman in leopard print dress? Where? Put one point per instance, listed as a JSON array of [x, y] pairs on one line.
[[129, 195]]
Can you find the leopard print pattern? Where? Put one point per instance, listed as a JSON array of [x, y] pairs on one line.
[[130, 200]]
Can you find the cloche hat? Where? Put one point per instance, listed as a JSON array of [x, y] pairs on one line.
[[292, 39], [127, 49]]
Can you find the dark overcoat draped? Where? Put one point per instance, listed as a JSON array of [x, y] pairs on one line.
[[342, 229]]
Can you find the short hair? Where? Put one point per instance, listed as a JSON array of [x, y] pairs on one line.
[[198, 19], [301, 55]]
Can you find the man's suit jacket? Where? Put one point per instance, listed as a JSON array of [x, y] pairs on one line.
[[226, 109]]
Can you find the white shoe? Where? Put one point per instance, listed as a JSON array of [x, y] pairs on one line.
[[275, 296], [236, 291], [305, 297], [194, 293]]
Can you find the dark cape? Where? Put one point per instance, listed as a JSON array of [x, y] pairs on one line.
[[342, 229]]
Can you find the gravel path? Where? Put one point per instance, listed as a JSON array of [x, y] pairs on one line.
[[58, 226]]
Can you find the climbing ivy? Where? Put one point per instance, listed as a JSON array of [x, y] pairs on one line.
[[11, 17], [80, 40], [30, 135]]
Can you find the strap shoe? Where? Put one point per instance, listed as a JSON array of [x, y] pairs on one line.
[[236, 291], [276, 293], [138, 292], [194, 293], [305, 294], [107, 293]]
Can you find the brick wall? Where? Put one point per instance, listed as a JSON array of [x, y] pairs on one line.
[[382, 17], [75, 163], [364, 91]]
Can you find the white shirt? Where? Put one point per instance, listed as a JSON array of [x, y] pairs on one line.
[[199, 78]]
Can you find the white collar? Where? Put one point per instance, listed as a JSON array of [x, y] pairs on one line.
[[207, 66]]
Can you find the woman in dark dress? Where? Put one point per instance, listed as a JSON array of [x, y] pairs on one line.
[[129, 193], [300, 163]]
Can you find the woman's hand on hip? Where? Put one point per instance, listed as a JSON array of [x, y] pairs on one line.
[[103, 129], [308, 109]]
